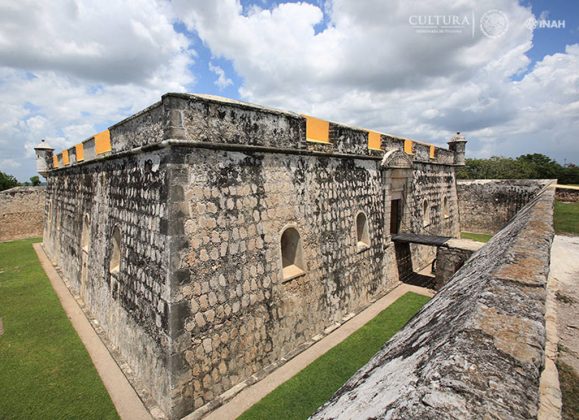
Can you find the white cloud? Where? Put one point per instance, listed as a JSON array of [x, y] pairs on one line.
[[222, 80], [369, 67], [68, 67], [112, 42]]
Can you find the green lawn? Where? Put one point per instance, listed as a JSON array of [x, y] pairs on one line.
[[566, 217], [481, 237], [45, 372], [300, 396]]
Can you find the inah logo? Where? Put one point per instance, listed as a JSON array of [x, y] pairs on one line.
[[533, 24]]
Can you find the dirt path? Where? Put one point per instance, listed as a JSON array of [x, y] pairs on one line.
[[565, 268]]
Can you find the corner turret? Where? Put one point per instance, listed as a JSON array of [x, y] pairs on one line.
[[43, 157], [457, 145]]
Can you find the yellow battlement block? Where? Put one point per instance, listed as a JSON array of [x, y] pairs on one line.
[[102, 142], [432, 151], [79, 152], [55, 161], [374, 141], [317, 131], [408, 146]]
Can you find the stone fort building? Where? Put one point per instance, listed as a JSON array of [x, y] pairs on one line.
[[211, 240]]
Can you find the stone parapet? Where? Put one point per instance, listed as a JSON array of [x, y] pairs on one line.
[[216, 122], [477, 349]]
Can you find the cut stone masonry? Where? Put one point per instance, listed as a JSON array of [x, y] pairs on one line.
[[198, 191]]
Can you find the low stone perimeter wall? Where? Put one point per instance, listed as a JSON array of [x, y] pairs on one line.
[[487, 205], [567, 195], [476, 350], [21, 213]]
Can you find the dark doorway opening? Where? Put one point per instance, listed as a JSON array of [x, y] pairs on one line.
[[395, 216]]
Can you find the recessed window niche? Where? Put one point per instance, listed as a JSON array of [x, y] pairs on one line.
[[292, 255]]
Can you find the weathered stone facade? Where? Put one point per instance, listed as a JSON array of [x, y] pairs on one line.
[[131, 305], [487, 205], [476, 350], [199, 193], [21, 213]]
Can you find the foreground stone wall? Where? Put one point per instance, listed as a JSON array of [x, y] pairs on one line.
[[477, 348], [487, 205], [21, 213]]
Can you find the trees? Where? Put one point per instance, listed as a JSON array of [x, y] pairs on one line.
[[530, 166], [496, 167], [569, 174], [7, 181], [35, 180]]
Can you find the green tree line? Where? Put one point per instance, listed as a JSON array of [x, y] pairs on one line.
[[531, 166], [8, 181]]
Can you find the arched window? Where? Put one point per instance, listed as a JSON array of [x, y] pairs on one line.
[[85, 236], [116, 251], [292, 257], [445, 208], [426, 213], [362, 231]]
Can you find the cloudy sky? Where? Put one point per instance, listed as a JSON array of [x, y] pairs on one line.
[[505, 73]]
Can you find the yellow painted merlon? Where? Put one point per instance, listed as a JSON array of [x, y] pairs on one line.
[[408, 146], [102, 142], [79, 152], [432, 149], [317, 130], [374, 142], [55, 161], [65, 159]]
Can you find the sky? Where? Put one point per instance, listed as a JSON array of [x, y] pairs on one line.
[[503, 72]]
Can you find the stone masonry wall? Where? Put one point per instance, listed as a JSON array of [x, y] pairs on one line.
[[240, 315], [567, 195], [21, 212], [477, 348], [487, 205], [432, 183], [131, 306], [451, 256], [202, 189]]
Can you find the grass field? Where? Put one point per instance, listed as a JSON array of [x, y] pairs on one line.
[[481, 237], [45, 371], [300, 396], [566, 218]]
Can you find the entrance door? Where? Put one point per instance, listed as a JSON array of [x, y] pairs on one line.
[[395, 216]]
